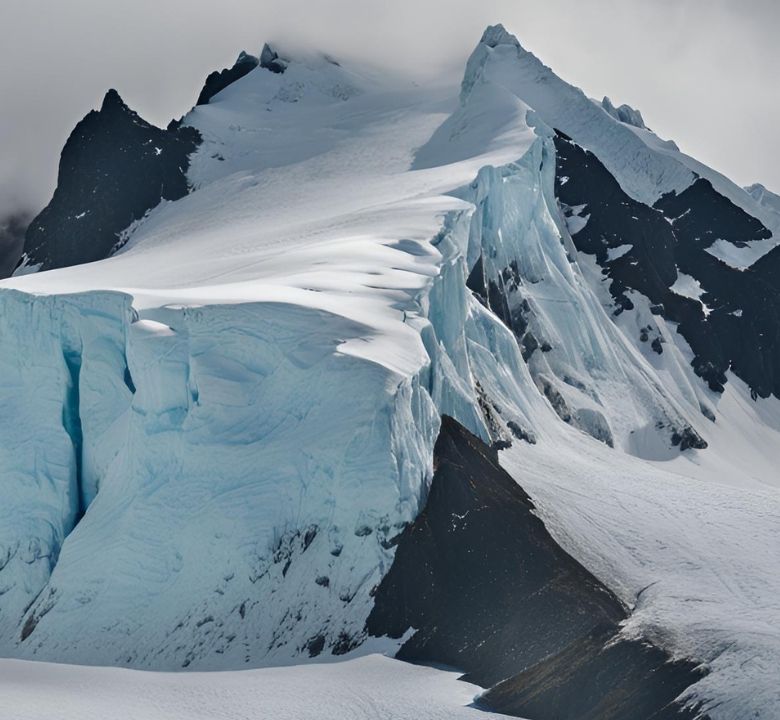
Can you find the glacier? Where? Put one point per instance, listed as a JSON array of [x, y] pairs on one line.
[[212, 438]]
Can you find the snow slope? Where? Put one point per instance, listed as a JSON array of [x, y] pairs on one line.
[[646, 166], [695, 557], [764, 197], [368, 688], [213, 435]]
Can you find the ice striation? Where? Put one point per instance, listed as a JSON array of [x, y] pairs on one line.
[[183, 420]]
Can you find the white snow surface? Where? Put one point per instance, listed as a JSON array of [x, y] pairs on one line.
[[689, 287], [368, 688], [618, 252], [740, 257], [245, 400], [764, 196]]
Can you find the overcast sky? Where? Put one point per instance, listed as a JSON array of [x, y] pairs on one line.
[[703, 72]]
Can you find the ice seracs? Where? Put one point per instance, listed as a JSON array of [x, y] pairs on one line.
[[766, 198], [625, 113]]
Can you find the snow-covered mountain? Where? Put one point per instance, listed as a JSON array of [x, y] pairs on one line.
[[488, 375], [764, 197]]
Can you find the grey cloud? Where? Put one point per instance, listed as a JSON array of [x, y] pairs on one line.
[[702, 71]]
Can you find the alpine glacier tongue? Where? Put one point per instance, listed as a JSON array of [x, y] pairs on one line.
[[216, 437]]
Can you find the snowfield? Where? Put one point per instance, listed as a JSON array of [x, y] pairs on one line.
[[369, 688], [695, 558], [212, 436]]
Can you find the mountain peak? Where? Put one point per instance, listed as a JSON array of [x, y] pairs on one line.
[[495, 35], [270, 60], [220, 79], [245, 57], [112, 100]]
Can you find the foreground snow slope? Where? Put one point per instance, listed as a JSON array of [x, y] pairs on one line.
[[368, 688], [696, 558], [214, 435]]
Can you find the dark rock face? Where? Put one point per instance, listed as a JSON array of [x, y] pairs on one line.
[[596, 679], [489, 591], [12, 230], [741, 328], [270, 60], [220, 79], [114, 168]]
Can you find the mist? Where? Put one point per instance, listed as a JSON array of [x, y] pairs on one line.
[[703, 72]]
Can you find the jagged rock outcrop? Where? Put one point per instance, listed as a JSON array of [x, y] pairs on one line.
[[271, 60], [732, 324], [114, 168], [218, 80], [489, 591]]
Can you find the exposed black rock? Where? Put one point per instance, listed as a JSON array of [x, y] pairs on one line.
[[218, 80], [114, 168], [688, 438], [12, 230], [270, 60], [489, 591], [521, 433], [315, 645], [555, 398], [741, 328], [476, 280], [597, 679]]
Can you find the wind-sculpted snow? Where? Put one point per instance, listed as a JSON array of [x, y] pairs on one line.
[[368, 688], [624, 113], [766, 199]]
